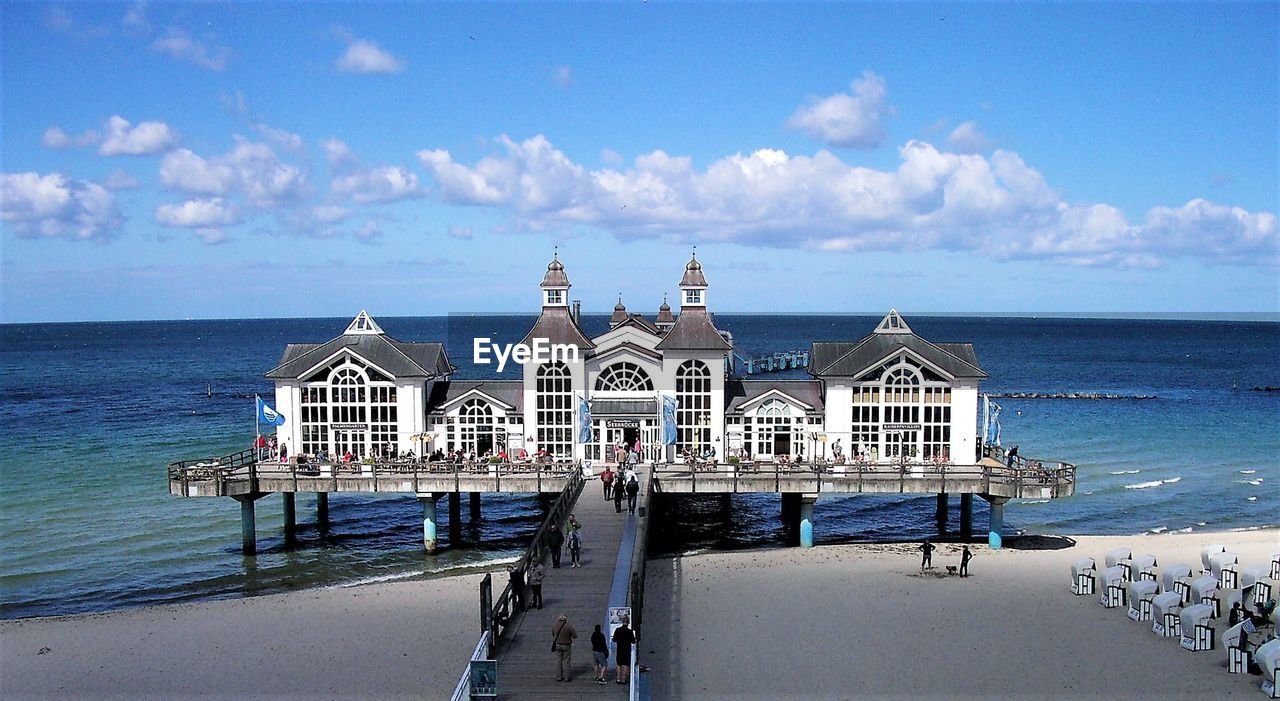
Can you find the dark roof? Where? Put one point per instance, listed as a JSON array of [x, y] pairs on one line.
[[693, 331], [508, 391], [555, 276], [619, 313], [396, 357], [635, 348], [664, 314], [640, 321], [849, 359], [693, 274], [557, 326], [600, 407], [739, 392]]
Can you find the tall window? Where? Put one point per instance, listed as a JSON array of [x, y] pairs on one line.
[[902, 407], [624, 377], [315, 419], [474, 430], [349, 406], [693, 411], [773, 418], [865, 438], [554, 387], [937, 422]]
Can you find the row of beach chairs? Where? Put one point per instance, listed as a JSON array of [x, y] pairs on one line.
[[1190, 605]]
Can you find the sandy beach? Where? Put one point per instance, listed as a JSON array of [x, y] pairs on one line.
[[861, 621], [830, 622]]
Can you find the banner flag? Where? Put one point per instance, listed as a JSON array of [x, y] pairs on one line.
[[267, 415], [584, 420], [669, 404]]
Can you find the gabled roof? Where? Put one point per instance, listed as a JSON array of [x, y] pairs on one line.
[[363, 323], [740, 392], [557, 326], [694, 331], [400, 359], [509, 392], [640, 322], [847, 359]]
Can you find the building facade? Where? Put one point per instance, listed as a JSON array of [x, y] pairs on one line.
[[891, 396]]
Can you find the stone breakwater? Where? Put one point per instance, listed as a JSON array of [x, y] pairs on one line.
[[1068, 395]]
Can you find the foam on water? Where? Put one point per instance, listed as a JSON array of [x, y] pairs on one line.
[[1125, 472]]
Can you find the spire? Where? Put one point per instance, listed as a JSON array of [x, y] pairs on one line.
[[363, 324], [665, 318], [893, 323], [555, 284], [693, 286], [619, 313]]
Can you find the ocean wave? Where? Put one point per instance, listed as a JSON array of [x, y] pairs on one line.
[[380, 579], [1252, 482], [1035, 501], [1183, 530], [1159, 529], [1153, 483], [1125, 472], [1247, 472], [1252, 499]]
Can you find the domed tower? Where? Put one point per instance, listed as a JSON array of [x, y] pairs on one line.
[[555, 285], [619, 313], [665, 319], [693, 286]]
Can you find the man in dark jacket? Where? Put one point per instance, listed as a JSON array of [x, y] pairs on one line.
[[633, 489], [555, 541]]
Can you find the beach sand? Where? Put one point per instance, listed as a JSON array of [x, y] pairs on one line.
[[861, 621], [384, 641], [826, 623]]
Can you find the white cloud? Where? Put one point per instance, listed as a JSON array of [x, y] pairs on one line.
[[563, 77], [56, 138], [383, 184], [135, 19], [56, 206], [997, 205], [368, 233], [364, 56], [237, 104], [848, 120], [180, 46], [966, 138], [612, 157], [120, 180], [213, 213], [250, 169], [146, 138], [338, 154], [460, 232]]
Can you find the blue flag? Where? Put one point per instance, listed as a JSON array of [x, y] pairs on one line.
[[669, 405], [267, 415], [584, 421]]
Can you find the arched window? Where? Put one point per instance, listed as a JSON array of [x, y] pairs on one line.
[[475, 428], [554, 391], [902, 412], [693, 410], [775, 430], [624, 377], [349, 406], [774, 407]]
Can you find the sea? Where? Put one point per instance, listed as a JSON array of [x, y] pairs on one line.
[[91, 414]]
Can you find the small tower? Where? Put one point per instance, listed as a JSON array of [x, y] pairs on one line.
[[363, 324], [555, 285], [619, 313], [693, 286], [665, 319]]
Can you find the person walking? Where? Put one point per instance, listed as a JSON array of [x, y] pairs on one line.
[[1013, 453], [600, 652], [555, 541], [575, 548], [926, 562], [562, 637], [623, 638], [516, 575], [965, 557], [536, 574], [606, 479], [617, 495], [633, 490]]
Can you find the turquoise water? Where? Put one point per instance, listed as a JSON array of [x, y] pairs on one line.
[[90, 414]]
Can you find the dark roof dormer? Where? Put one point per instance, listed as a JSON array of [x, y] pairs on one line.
[[665, 318], [619, 313]]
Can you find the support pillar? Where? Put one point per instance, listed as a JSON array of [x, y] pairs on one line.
[[806, 519], [940, 513], [966, 516], [248, 525], [322, 510], [429, 521], [994, 531], [455, 517], [475, 507], [290, 519]]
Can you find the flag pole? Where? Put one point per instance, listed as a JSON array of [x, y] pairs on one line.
[[257, 430]]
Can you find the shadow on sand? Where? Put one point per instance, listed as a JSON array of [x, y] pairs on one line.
[[1039, 542]]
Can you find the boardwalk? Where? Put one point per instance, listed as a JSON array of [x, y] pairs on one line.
[[526, 665]]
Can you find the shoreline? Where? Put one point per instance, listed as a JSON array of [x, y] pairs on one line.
[[411, 638]]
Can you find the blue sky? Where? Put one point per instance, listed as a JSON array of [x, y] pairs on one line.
[[263, 160]]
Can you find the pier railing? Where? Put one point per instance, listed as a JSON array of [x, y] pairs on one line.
[[1027, 477]]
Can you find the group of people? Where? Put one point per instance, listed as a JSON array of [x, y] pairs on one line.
[[562, 636], [926, 560], [619, 484], [1256, 620]]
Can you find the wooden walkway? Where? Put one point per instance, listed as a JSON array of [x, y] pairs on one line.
[[526, 664]]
